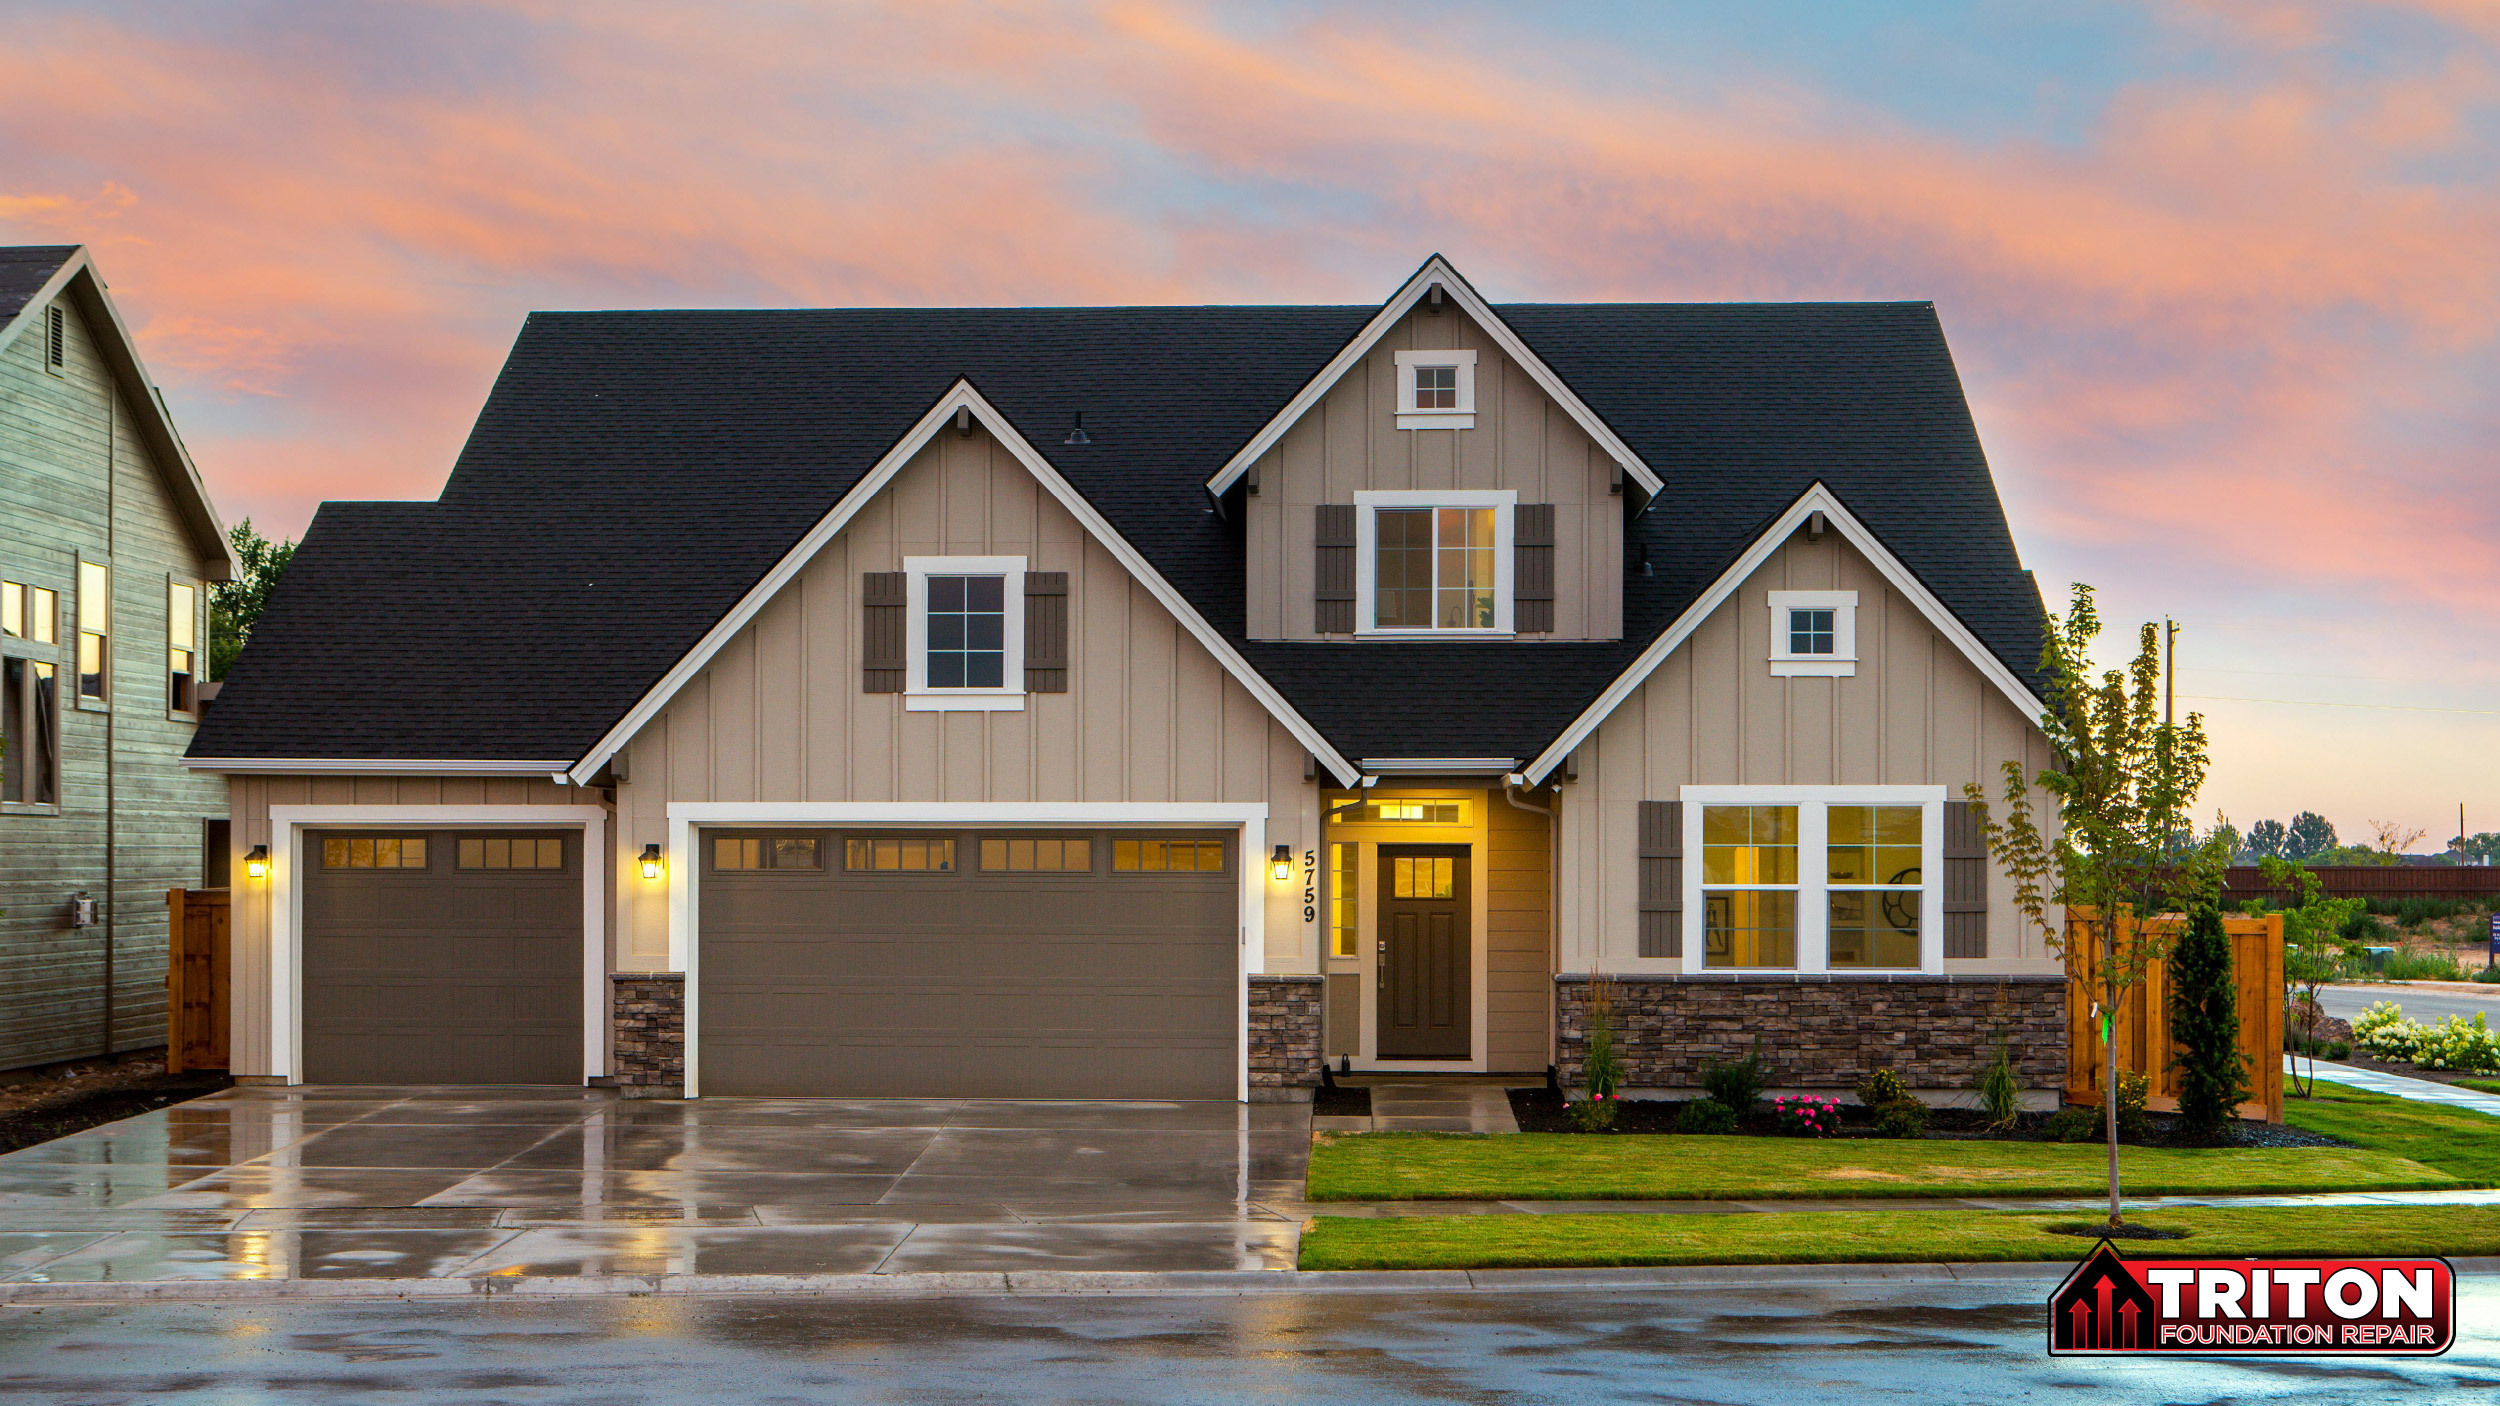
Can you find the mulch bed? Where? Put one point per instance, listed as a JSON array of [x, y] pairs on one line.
[[76, 1097], [1542, 1111], [1341, 1101]]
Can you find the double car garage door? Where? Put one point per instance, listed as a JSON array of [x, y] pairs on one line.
[[1061, 964]]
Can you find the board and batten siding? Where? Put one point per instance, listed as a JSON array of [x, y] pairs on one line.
[[1149, 714], [1916, 712], [1350, 441], [1519, 938], [77, 479]]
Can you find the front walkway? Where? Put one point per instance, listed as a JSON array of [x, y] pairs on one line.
[[2398, 1086], [395, 1183]]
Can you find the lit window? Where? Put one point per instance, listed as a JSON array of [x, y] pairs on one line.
[[767, 852], [1425, 876], [373, 852], [1344, 916], [511, 852], [1167, 856], [1037, 856], [1749, 886], [182, 690], [30, 733], [1410, 813], [1427, 565], [12, 610], [907, 854], [1814, 633], [95, 624], [1874, 880]]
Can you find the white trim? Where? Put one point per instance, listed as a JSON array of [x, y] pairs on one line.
[[1367, 505], [1436, 270], [1812, 886], [1368, 836], [286, 908], [1440, 766], [1842, 662], [1461, 416], [918, 697], [1248, 818], [961, 396], [363, 766], [1815, 499]]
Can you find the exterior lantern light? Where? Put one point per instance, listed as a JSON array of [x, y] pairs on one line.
[[1281, 865], [256, 863], [651, 864]]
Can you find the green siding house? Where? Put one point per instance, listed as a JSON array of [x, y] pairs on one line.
[[107, 545]]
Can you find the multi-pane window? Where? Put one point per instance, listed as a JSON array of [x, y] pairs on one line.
[[1409, 813], [1344, 888], [767, 852], [1874, 877], [373, 852], [182, 687], [95, 627], [1423, 876], [1039, 855], [1810, 632], [29, 613], [1161, 856], [967, 622], [1749, 886], [1436, 387], [30, 733], [511, 852], [1433, 569], [900, 854]]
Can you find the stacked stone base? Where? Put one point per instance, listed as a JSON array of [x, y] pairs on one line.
[[1820, 1033], [647, 1011], [1285, 1037]]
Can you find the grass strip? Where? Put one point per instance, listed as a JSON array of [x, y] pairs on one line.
[[2486, 1086], [2459, 1141], [1880, 1236], [1579, 1167]]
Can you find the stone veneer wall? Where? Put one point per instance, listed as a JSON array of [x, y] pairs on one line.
[[648, 1017], [1284, 1037], [1821, 1032]]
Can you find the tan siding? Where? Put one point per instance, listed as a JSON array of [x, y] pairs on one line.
[[1519, 990]]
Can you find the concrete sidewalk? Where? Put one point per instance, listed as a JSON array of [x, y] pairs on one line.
[[2398, 1086]]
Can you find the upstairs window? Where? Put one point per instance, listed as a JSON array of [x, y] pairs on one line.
[[30, 733], [182, 680], [1435, 563], [29, 613], [964, 633], [1436, 390], [95, 626], [1814, 633]]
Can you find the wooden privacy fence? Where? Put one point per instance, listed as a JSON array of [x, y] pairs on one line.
[[2478, 883], [195, 980], [2143, 1035]]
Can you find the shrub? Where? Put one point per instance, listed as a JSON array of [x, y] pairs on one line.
[[2405, 964], [2205, 1024], [2074, 1125], [1882, 1087], [1706, 1115], [2132, 1087], [2000, 1092], [2487, 973], [2454, 1043], [1906, 1117], [1603, 1068], [1805, 1115], [1738, 1083]]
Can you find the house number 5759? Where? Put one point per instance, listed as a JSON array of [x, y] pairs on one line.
[[1310, 885]]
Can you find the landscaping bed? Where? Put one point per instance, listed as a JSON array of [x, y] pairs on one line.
[[80, 1096], [1544, 1111], [1335, 1100]]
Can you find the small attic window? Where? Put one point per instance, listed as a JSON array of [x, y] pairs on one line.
[[55, 339], [1436, 390]]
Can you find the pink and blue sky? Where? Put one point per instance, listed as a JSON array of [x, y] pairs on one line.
[[2223, 279]]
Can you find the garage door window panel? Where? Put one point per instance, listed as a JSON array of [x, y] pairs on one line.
[[899, 854], [541, 852], [373, 852], [1017, 854], [768, 853], [1162, 856]]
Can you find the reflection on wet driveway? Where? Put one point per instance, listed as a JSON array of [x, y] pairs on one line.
[[392, 1183]]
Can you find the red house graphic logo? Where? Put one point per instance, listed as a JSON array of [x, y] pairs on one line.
[[2257, 1308]]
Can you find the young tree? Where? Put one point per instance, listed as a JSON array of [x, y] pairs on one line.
[[2205, 1023], [2266, 840], [2226, 836], [2122, 781], [2313, 939], [234, 606], [2310, 832]]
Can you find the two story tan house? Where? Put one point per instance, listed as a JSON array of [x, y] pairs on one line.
[[1151, 703]]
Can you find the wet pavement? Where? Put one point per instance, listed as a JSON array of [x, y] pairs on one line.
[[1800, 1341], [314, 1183]]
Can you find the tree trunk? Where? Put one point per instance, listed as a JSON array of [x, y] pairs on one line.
[[2109, 1043]]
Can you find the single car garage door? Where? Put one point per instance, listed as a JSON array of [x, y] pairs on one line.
[[1069, 964], [441, 957]]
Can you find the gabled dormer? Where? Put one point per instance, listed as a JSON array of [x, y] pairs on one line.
[[1435, 481]]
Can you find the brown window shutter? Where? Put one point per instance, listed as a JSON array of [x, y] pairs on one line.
[[1332, 599], [1045, 632], [1662, 878], [1965, 882], [1532, 568], [883, 597]]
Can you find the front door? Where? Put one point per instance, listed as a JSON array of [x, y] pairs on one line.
[[1424, 985]]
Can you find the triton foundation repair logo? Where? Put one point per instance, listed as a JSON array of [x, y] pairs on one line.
[[2257, 1308]]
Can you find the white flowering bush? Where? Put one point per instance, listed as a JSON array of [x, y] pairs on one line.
[[2454, 1043]]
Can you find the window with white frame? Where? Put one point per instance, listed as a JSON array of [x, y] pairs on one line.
[[1813, 879], [964, 633], [1436, 390], [1814, 633], [1433, 562]]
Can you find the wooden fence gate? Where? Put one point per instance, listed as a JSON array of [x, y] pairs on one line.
[[195, 980], [2143, 1034]]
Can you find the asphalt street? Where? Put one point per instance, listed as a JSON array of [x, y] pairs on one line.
[[1920, 1342], [2418, 1003]]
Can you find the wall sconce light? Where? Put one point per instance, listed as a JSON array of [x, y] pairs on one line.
[[1281, 865], [652, 867], [256, 863]]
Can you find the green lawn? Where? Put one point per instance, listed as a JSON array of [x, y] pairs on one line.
[[2458, 1141], [2487, 1086], [1874, 1236]]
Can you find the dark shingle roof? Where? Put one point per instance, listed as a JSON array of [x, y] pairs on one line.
[[24, 268], [634, 473]]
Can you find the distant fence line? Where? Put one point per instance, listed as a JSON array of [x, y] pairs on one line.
[[2391, 881]]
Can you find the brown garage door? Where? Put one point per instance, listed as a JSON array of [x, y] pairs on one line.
[[442, 957], [969, 965]]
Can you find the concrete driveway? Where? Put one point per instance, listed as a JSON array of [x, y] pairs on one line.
[[396, 1183]]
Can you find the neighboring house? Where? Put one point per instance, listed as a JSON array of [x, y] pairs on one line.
[[107, 546], [1152, 702]]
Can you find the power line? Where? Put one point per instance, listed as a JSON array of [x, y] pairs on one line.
[[2317, 703]]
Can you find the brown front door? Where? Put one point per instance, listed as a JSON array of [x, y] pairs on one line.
[[1424, 984]]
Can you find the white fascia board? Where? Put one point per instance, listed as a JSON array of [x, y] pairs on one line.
[[1442, 766], [963, 396], [1436, 270], [376, 766], [1815, 499]]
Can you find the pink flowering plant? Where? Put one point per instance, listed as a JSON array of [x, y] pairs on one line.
[[1805, 1115]]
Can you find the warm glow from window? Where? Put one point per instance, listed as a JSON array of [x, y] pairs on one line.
[[1433, 568], [1749, 879]]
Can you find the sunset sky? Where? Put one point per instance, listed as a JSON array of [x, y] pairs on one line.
[[2223, 279]]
